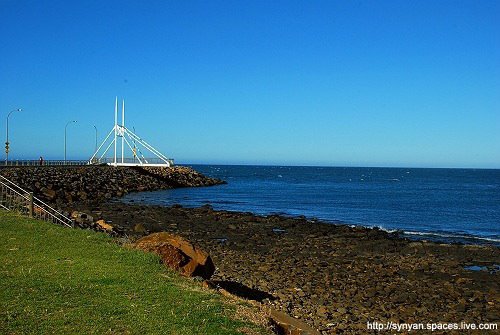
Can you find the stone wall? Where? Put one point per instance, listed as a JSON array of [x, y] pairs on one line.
[[63, 185]]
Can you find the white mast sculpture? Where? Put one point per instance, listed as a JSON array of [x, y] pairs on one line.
[[124, 133]]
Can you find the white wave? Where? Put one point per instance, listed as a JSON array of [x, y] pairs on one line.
[[451, 236], [435, 234]]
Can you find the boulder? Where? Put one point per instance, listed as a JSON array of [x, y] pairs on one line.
[[178, 253], [81, 217], [285, 324], [106, 226]]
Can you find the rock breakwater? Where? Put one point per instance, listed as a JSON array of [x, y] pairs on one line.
[[63, 186]]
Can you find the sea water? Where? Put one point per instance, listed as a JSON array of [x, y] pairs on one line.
[[457, 205]]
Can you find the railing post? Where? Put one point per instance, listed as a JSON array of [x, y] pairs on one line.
[[30, 197]]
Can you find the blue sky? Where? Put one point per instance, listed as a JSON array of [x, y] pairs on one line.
[[350, 83]]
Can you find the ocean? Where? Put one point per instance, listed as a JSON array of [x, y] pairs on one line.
[[449, 205]]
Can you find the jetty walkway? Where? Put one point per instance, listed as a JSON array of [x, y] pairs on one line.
[[103, 161]]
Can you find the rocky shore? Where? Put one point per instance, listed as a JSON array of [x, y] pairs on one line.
[[334, 277]]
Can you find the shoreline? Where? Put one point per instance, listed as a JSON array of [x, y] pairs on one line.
[[334, 277], [430, 236], [452, 205]]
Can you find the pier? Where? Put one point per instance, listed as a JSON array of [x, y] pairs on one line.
[[119, 137]]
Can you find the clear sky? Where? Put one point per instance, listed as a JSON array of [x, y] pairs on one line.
[[342, 83]]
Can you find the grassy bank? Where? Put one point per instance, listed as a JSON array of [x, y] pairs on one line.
[[56, 280]]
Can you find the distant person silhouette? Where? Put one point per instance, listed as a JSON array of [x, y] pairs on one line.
[[41, 160]]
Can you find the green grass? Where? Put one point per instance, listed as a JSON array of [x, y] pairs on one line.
[[56, 280]]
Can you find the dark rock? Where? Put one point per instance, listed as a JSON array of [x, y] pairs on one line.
[[48, 193], [139, 228]]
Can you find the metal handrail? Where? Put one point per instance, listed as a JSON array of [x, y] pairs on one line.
[[13, 187], [106, 160], [13, 195], [141, 161], [34, 162]]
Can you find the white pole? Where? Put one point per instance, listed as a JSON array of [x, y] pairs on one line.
[[116, 124], [123, 126]]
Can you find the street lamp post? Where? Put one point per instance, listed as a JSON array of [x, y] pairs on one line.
[[95, 138], [135, 149], [65, 128], [7, 135]]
